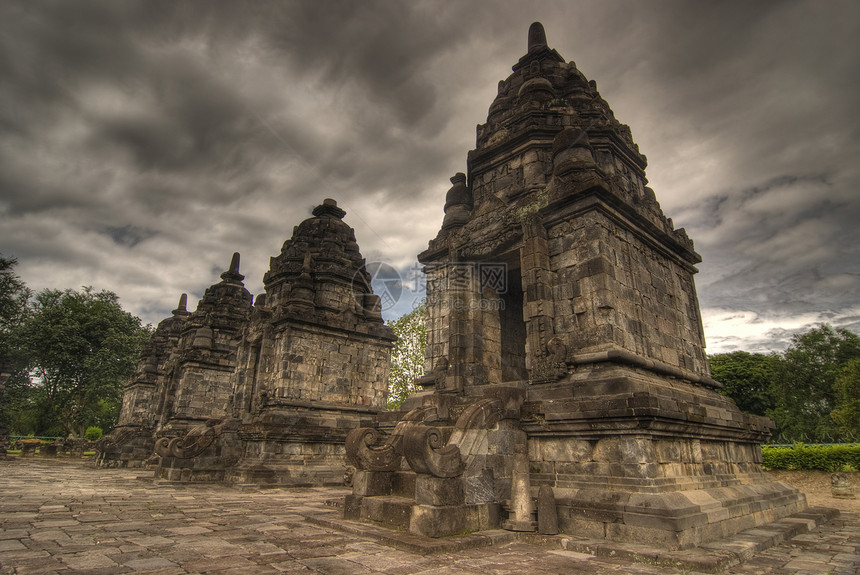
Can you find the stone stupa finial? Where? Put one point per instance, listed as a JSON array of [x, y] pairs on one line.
[[329, 208], [537, 37], [233, 274], [182, 307]]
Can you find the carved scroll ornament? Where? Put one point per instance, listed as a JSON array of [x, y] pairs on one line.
[[363, 452], [424, 449], [194, 442], [110, 443]]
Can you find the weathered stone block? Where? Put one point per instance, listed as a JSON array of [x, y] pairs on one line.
[[369, 483], [565, 449], [439, 490], [624, 450]]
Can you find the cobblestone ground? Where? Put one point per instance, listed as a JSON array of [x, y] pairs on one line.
[[63, 517]]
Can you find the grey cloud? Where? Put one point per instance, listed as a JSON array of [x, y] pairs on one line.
[[152, 139]]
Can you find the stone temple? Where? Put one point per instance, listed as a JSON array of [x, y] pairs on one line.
[[565, 357], [262, 393], [566, 385]]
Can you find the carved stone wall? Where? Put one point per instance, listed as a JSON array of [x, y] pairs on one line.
[[616, 290]]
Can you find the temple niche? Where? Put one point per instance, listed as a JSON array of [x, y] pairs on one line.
[[263, 393], [565, 350]]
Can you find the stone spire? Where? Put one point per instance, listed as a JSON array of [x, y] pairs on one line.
[[458, 202], [537, 37], [329, 208], [181, 309], [232, 274]]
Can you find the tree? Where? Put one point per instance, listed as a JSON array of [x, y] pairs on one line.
[[746, 378], [804, 389], [81, 347], [14, 296], [847, 387], [407, 355]]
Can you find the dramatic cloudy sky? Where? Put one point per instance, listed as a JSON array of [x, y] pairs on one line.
[[142, 143]]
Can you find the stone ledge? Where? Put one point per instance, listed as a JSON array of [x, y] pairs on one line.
[[406, 541], [713, 557]]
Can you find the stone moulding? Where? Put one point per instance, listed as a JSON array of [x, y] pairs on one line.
[[600, 198], [624, 356]]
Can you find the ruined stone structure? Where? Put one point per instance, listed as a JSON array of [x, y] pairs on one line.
[[565, 351], [132, 441], [199, 378], [313, 362], [263, 393]]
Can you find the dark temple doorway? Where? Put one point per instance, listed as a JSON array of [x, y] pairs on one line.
[[513, 327]]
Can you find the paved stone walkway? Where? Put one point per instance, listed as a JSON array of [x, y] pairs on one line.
[[63, 517]]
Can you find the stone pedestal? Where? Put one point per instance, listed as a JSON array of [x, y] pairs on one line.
[[28, 447], [522, 506], [841, 487]]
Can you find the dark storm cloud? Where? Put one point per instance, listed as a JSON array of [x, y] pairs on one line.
[[144, 142], [128, 236]]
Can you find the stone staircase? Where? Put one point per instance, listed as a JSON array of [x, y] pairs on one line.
[[393, 509]]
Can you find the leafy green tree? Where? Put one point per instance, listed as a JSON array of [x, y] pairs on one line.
[[804, 389], [847, 387], [14, 297], [81, 347], [746, 378], [407, 356]]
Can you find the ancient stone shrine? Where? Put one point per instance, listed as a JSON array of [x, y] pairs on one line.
[[184, 374], [132, 441], [263, 393], [565, 351], [313, 361], [200, 372]]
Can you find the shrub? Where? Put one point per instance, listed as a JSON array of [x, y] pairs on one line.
[[93, 433], [811, 457]]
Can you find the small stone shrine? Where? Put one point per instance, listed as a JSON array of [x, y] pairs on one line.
[[263, 393], [132, 441], [200, 374], [565, 351], [313, 361]]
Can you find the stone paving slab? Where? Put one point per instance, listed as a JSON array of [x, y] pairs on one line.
[[60, 516]]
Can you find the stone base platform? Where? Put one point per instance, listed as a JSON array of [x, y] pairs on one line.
[[713, 557], [675, 520], [288, 473]]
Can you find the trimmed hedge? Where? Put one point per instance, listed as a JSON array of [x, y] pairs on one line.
[[812, 457]]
